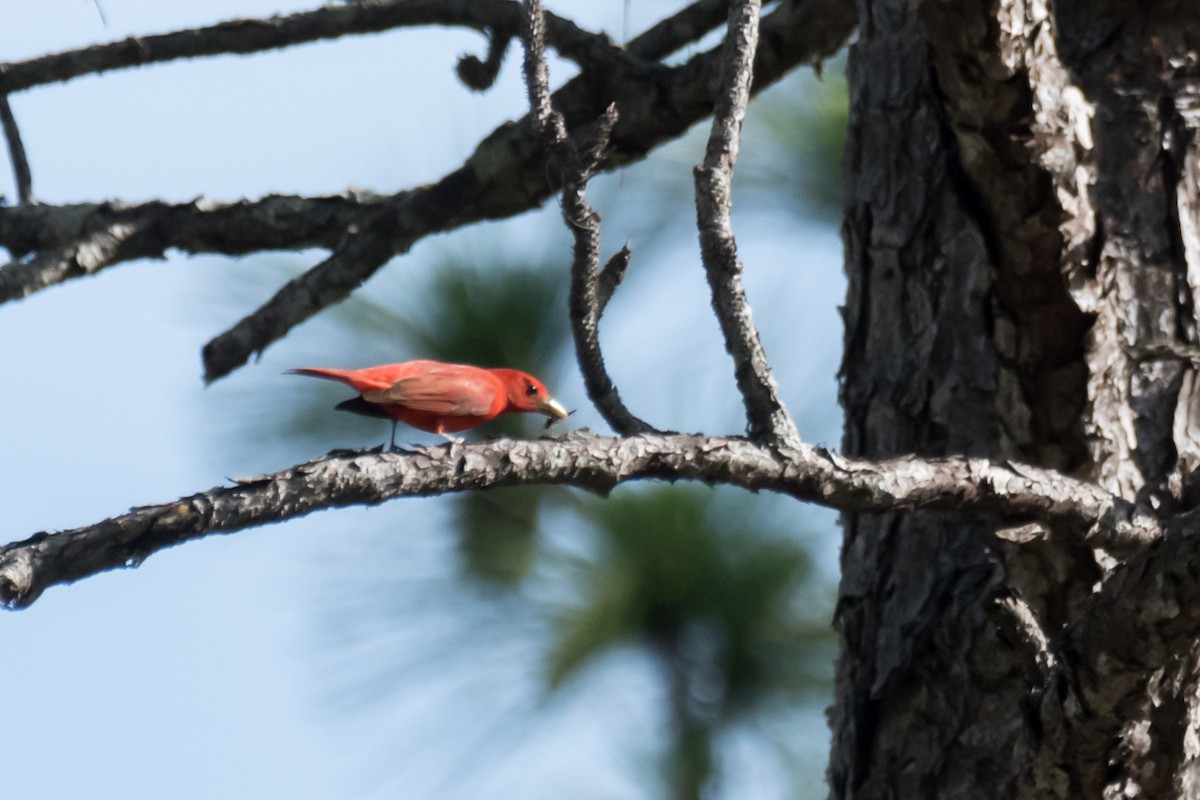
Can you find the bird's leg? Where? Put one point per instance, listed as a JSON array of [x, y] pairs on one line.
[[392, 449], [448, 437]]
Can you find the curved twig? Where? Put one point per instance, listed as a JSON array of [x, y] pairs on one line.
[[278, 222], [88, 255], [16, 152], [765, 413], [364, 250], [577, 166], [328, 22], [480, 73], [611, 277]]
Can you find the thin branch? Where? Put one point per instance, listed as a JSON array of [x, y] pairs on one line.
[[16, 152], [243, 36], [149, 230], [583, 460], [100, 11], [364, 249], [611, 277], [689, 24], [294, 223], [766, 415], [577, 165], [584, 302]]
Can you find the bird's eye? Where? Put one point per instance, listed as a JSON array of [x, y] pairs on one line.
[[530, 389]]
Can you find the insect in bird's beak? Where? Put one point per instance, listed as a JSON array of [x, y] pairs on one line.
[[554, 410]]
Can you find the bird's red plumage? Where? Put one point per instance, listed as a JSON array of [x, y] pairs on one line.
[[442, 398]]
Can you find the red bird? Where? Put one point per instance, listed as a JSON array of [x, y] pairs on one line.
[[440, 398]]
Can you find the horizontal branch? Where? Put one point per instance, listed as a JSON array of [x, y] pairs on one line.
[[58, 233], [16, 152], [245, 36], [583, 460]]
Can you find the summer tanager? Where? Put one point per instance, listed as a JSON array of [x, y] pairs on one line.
[[440, 398]]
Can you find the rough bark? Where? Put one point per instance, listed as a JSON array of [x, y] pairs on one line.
[[1020, 244], [584, 460]]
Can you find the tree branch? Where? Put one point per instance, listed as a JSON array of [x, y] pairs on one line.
[[364, 249], [577, 165], [582, 460], [243, 36], [274, 222], [479, 74], [765, 413], [16, 152], [611, 277], [56, 234], [64, 237], [508, 174]]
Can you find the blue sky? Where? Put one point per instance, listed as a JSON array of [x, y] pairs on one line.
[[204, 673]]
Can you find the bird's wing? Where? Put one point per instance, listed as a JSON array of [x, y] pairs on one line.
[[444, 389], [358, 405]]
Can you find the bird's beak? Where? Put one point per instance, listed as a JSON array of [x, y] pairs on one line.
[[553, 408]]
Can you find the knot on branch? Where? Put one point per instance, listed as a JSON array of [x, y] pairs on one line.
[[17, 572], [480, 74]]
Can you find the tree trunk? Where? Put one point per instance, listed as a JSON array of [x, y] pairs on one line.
[[1023, 253]]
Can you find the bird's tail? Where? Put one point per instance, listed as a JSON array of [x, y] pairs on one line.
[[343, 375]]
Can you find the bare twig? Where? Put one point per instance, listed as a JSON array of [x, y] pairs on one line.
[[100, 11], [365, 249], [584, 301], [587, 461], [329, 22], [16, 152], [537, 75], [611, 277], [765, 412], [149, 230], [479, 74], [577, 165]]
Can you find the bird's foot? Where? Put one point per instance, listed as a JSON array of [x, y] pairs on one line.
[[346, 452]]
